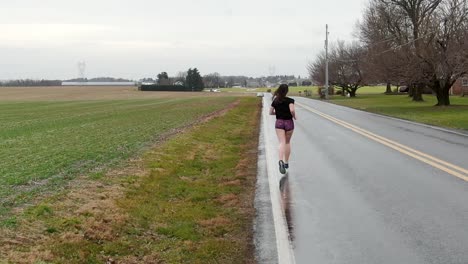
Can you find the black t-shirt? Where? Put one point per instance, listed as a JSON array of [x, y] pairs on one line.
[[282, 108]]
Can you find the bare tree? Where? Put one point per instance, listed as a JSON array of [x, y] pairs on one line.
[[316, 69], [428, 37], [212, 80], [387, 60], [181, 77], [448, 52], [346, 67], [410, 20]]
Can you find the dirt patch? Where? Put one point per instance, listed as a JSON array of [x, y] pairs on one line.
[[232, 183], [150, 259], [229, 200]]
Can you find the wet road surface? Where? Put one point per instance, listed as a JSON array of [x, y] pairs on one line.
[[369, 189]]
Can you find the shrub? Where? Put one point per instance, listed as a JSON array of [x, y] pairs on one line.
[[331, 91]]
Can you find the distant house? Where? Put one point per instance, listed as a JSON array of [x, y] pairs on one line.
[[146, 83], [253, 84], [300, 82], [460, 87]]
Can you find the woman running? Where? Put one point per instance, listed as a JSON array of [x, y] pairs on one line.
[[283, 108]]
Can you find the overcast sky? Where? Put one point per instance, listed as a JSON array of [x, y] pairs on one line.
[[139, 38]]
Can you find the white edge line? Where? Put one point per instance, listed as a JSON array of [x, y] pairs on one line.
[[283, 244]]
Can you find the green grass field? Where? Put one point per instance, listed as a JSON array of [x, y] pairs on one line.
[[401, 106], [293, 91], [191, 208], [371, 90], [44, 143], [84, 181]]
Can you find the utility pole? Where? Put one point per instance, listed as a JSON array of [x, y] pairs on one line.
[[326, 62]]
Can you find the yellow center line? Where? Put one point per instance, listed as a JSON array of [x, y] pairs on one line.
[[391, 141], [428, 159]]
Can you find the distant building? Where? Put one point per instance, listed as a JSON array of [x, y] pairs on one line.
[[253, 84], [98, 83], [460, 87], [303, 82], [299, 82]]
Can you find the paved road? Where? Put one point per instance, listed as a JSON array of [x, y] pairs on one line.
[[370, 189]]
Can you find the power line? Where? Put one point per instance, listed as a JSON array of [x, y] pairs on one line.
[[393, 48], [407, 43]]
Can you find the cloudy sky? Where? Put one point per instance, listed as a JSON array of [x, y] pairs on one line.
[[139, 38]]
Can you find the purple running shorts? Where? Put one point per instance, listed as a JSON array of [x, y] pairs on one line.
[[286, 125]]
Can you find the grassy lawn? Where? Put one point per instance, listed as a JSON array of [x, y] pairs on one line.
[[44, 144], [401, 106], [371, 90], [188, 200], [294, 91]]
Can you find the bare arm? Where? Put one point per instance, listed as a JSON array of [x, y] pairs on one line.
[[272, 111], [292, 109]]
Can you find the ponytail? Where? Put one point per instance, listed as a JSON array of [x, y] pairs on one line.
[[280, 93]]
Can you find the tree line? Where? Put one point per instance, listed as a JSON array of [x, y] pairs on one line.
[[30, 82], [99, 79], [191, 79], [416, 43], [216, 80]]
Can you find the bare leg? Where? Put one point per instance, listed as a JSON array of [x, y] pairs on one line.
[[287, 145], [282, 140]]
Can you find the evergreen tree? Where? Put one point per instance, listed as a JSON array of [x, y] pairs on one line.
[[194, 80], [163, 78]]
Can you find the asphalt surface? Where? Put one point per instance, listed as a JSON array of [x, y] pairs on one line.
[[264, 229], [374, 189]]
